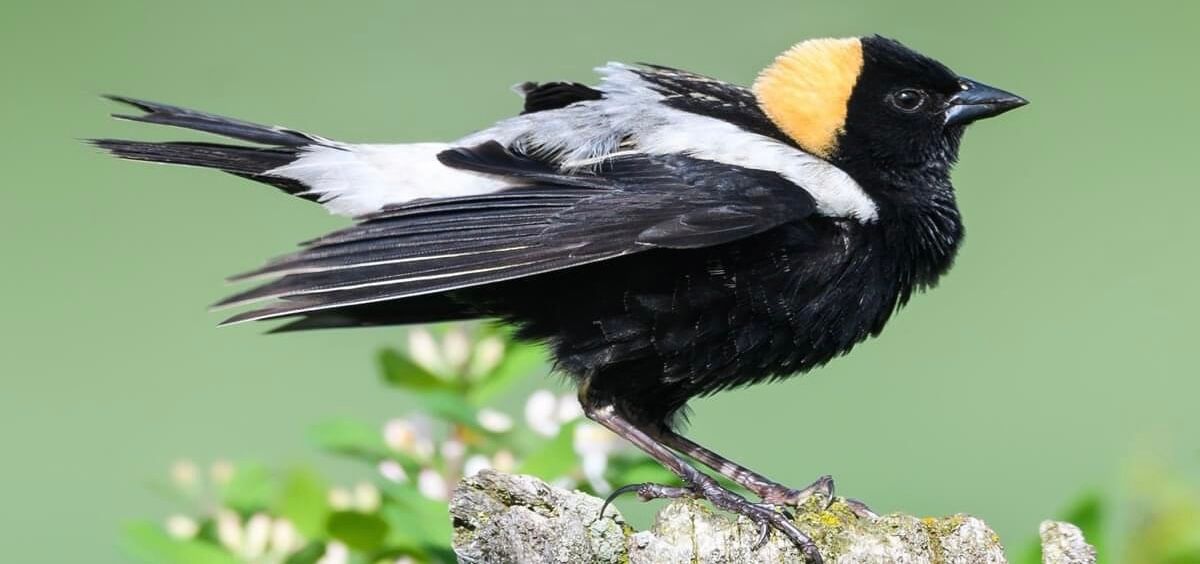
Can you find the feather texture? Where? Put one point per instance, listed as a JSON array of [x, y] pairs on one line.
[[552, 221]]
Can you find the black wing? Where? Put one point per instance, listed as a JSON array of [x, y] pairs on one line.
[[555, 95], [707, 96], [557, 220]]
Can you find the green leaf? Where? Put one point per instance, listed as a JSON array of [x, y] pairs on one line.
[[451, 407], [303, 502], [520, 360], [147, 542], [638, 469], [556, 458], [350, 437], [251, 488], [363, 532], [310, 554], [1032, 554], [1087, 513], [400, 371], [415, 521]]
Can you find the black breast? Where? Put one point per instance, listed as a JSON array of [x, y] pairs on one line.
[[655, 329]]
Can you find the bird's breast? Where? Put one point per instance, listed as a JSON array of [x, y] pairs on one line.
[[676, 324]]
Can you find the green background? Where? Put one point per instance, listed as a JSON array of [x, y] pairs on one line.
[[1059, 349]]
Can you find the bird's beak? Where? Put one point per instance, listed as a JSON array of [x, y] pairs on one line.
[[978, 101]]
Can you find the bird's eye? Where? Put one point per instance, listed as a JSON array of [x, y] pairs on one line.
[[908, 100]]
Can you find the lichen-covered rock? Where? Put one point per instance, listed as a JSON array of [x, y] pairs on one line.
[[520, 519], [1062, 543], [500, 518]]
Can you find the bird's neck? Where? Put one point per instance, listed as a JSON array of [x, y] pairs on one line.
[[923, 234]]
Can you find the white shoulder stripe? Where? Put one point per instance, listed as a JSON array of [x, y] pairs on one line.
[[588, 132], [835, 192]]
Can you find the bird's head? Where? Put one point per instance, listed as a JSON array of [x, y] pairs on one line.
[[874, 107]]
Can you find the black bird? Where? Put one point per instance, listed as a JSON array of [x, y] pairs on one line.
[[668, 235]]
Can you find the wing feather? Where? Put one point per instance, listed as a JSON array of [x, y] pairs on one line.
[[558, 220]]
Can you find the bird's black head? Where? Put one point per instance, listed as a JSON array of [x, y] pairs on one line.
[[887, 115]]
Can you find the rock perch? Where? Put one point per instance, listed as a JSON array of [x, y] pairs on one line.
[[501, 518]]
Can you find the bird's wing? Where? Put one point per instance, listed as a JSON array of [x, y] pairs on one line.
[[555, 220]]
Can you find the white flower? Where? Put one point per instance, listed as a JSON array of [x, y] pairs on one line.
[[504, 461], [285, 539], [255, 536], [488, 354], [540, 413], [593, 444], [569, 408], [432, 485], [335, 553], [423, 349], [412, 435], [366, 497], [475, 464], [563, 483], [184, 473], [229, 530], [222, 472], [399, 435], [494, 421], [340, 498], [456, 348], [593, 439], [182, 527], [392, 471], [453, 450]]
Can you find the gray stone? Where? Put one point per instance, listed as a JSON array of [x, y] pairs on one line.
[[1062, 543], [499, 518]]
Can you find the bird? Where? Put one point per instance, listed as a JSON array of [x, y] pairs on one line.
[[666, 235]]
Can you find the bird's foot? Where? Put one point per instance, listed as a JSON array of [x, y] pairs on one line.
[[779, 494], [704, 487], [823, 489]]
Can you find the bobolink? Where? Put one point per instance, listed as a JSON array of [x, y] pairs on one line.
[[667, 234]]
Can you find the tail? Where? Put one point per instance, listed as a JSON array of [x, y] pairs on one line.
[[282, 146]]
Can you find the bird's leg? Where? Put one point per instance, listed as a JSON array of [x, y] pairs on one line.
[[697, 483], [769, 491]]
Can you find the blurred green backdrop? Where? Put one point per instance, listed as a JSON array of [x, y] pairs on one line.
[[1059, 349]]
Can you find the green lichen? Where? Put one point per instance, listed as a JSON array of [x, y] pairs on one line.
[[938, 530]]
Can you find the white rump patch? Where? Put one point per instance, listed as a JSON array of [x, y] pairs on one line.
[[358, 179]]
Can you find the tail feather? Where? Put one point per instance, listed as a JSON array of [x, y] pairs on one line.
[[350, 179], [164, 114], [282, 146], [247, 162]]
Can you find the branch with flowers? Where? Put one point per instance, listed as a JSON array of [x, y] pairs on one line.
[[253, 513]]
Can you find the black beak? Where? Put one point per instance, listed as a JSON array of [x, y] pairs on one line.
[[978, 101]]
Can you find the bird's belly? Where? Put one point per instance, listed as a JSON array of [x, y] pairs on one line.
[[665, 326]]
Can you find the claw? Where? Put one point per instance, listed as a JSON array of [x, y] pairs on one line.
[[763, 530], [826, 482], [765, 517], [860, 509], [647, 491], [618, 493]]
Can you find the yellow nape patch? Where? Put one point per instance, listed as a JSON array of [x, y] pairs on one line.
[[807, 89]]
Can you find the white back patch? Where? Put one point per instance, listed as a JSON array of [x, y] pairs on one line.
[[585, 133], [357, 179]]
